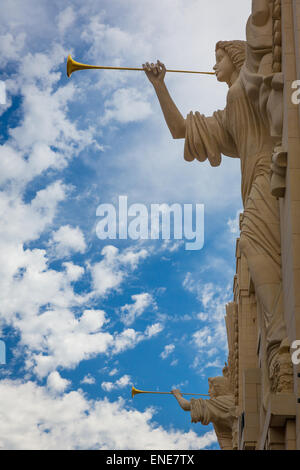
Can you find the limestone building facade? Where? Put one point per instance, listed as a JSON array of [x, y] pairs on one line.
[[268, 414]]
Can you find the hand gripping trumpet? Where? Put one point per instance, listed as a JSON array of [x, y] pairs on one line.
[[73, 66], [135, 391]]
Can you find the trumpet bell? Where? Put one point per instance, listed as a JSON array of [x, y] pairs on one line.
[[72, 65], [135, 391], [69, 66]]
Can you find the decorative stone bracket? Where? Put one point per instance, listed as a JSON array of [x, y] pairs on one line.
[[278, 172]]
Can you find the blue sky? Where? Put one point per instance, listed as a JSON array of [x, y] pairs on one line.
[[84, 319]]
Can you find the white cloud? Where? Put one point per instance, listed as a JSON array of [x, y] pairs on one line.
[[113, 42], [2, 93], [67, 240], [66, 340], [29, 285], [154, 329], [207, 294], [11, 46], [211, 339], [172, 246], [38, 302], [32, 419], [88, 379], [202, 316], [65, 19], [168, 349], [24, 222], [56, 338], [122, 382], [107, 386], [202, 338], [129, 338], [130, 312], [56, 383], [73, 271], [234, 224], [35, 300], [109, 273], [126, 105], [45, 137]]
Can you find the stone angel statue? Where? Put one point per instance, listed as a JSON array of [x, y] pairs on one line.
[[241, 130], [218, 410]]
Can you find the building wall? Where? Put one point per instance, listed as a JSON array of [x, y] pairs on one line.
[[290, 204], [272, 420]]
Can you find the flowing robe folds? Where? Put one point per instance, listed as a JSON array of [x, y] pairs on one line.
[[239, 131], [218, 410]]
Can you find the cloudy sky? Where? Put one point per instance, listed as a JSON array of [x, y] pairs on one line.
[[84, 319]]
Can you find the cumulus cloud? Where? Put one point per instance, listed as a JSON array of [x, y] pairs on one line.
[[113, 42], [23, 222], [42, 140], [36, 300], [65, 19], [73, 271], [64, 340], [129, 338], [211, 339], [32, 419], [203, 338], [56, 383], [109, 273], [56, 338], [126, 105], [29, 286], [67, 240], [2, 93], [11, 46], [88, 380], [122, 382]]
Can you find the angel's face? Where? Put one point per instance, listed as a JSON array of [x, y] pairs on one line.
[[224, 67], [211, 389]]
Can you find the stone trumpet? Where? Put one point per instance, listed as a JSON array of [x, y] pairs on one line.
[[73, 66], [135, 391]]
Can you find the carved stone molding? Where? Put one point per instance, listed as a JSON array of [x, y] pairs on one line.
[[279, 159], [277, 45]]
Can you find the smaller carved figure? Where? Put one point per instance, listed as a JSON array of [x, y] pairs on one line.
[[218, 410]]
